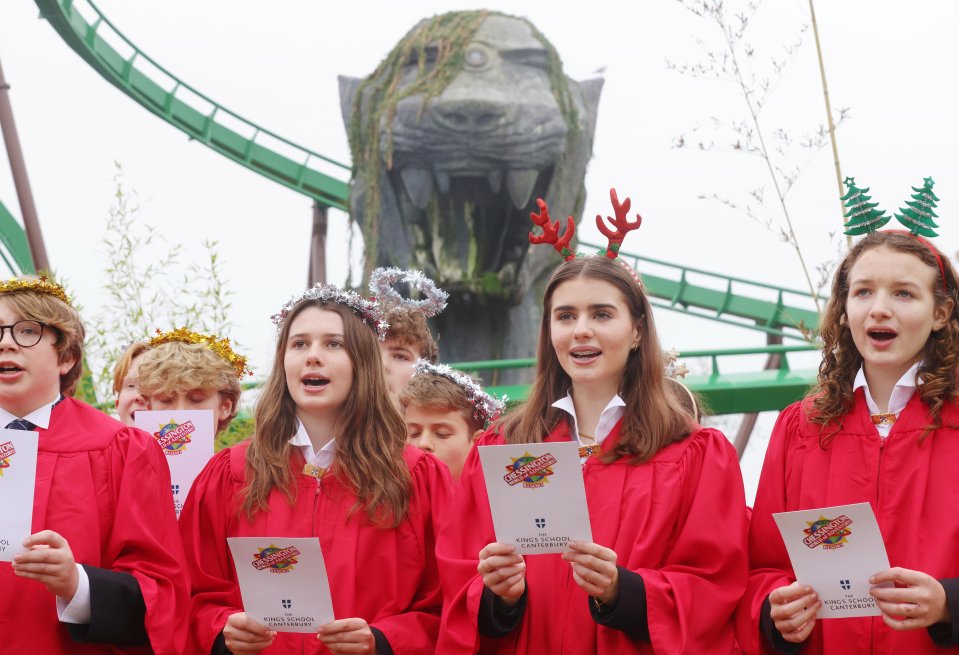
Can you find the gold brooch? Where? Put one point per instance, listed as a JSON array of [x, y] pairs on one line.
[[314, 471], [589, 451], [883, 419]]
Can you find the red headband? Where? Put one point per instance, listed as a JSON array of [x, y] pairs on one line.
[[932, 249]]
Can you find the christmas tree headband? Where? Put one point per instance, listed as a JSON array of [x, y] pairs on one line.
[[917, 216], [39, 284], [220, 347], [382, 291], [486, 408], [367, 310]]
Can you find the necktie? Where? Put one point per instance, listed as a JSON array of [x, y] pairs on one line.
[[20, 424]]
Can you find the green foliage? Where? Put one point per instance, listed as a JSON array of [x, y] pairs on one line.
[[379, 95], [146, 291], [239, 429]]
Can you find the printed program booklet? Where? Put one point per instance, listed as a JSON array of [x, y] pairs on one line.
[[186, 437], [283, 582], [835, 550], [18, 475], [536, 495]]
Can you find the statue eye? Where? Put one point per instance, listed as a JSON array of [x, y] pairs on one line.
[[476, 57]]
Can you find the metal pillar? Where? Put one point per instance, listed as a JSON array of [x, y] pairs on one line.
[[28, 209], [317, 272], [749, 420]]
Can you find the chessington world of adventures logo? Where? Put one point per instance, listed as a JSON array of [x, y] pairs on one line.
[[828, 533], [275, 559], [532, 472], [7, 451], [173, 437]]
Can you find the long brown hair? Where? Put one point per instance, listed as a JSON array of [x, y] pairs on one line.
[[833, 396], [370, 432], [653, 419]]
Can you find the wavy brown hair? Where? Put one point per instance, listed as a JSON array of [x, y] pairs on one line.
[[370, 432], [833, 396], [653, 417]]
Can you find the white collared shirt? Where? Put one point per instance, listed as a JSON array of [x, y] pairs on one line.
[[901, 394], [613, 411], [323, 457], [39, 417], [78, 609]]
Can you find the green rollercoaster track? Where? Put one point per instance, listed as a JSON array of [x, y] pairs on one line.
[[779, 313]]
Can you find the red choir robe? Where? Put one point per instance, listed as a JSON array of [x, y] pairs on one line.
[[911, 485], [105, 488], [677, 520], [386, 576]]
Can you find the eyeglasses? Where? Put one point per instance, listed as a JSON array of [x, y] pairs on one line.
[[26, 334]]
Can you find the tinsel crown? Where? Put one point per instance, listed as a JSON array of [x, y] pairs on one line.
[[39, 284], [486, 408], [220, 347], [382, 291], [367, 310]]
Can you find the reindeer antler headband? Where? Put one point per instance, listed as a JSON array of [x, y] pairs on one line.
[[917, 216], [621, 227]]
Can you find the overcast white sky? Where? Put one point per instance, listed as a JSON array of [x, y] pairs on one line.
[[889, 62]]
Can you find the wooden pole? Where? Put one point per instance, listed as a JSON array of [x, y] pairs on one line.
[[832, 126], [31, 222], [317, 272]]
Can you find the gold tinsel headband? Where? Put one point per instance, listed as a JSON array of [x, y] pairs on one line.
[[38, 284], [221, 347]]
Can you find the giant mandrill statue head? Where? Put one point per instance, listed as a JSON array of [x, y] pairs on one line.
[[465, 121]]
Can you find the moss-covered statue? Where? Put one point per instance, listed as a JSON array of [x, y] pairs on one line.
[[466, 121]]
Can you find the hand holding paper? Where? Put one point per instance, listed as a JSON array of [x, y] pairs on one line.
[[793, 610], [503, 571], [245, 635], [919, 601], [348, 636], [47, 558], [594, 570]]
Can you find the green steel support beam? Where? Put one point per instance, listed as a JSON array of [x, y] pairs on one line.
[[730, 300], [14, 240], [723, 393], [91, 35]]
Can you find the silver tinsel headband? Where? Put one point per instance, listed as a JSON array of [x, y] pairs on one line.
[[367, 310], [486, 408], [381, 290]]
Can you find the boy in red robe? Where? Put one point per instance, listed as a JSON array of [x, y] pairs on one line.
[[446, 412], [102, 571]]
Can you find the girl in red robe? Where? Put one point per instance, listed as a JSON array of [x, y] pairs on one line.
[[882, 428], [329, 459], [665, 496]]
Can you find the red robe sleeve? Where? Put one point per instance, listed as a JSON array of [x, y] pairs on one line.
[[691, 595], [145, 541], [204, 526], [768, 560], [467, 532], [414, 630]]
